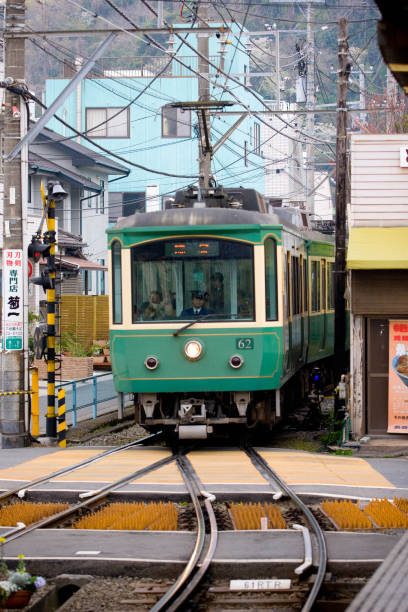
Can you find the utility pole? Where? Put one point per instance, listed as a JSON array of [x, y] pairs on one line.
[[12, 414], [341, 203], [310, 104], [205, 152]]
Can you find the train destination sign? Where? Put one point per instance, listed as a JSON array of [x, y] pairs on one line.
[[192, 248], [13, 299]]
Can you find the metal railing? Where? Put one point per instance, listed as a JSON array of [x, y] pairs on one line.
[[86, 392]]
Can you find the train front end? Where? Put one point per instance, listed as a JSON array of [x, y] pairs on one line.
[[195, 333]]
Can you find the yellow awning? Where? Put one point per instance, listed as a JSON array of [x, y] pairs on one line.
[[377, 248]]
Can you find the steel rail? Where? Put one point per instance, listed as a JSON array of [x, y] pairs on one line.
[[32, 483], [204, 565], [181, 589], [270, 475], [98, 496]]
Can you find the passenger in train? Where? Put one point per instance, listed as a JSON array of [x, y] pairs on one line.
[[153, 310], [216, 295]]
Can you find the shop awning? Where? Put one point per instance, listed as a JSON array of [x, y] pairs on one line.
[[377, 248]]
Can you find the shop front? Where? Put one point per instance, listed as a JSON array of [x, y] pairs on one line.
[[377, 261]]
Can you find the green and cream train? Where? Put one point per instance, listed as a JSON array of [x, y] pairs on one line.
[[219, 309]]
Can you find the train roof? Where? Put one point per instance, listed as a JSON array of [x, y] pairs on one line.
[[212, 216]]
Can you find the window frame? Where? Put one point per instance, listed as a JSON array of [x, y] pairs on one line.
[[135, 318], [315, 291], [177, 120], [105, 126], [276, 308]]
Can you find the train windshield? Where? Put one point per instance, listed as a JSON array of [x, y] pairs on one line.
[[180, 279]]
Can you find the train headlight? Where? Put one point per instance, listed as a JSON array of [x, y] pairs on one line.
[[236, 361], [151, 363], [193, 350]]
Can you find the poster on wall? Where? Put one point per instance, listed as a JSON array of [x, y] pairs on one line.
[[398, 378]]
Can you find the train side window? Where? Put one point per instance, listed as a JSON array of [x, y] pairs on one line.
[[330, 285], [305, 288], [315, 282], [295, 286], [271, 280], [324, 280], [287, 287], [116, 282]]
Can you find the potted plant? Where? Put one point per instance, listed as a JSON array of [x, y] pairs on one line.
[[16, 587]]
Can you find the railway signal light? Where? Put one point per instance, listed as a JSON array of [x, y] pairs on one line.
[[44, 280], [37, 249]]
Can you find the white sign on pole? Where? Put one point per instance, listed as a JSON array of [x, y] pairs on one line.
[[13, 299]]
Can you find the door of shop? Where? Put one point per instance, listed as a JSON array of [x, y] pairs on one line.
[[377, 376]]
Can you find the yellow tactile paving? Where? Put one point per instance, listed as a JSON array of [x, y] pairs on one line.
[[310, 468], [45, 464], [123, 463], [225, 466]]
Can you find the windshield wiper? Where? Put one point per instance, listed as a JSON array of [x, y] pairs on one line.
[[198, 319]]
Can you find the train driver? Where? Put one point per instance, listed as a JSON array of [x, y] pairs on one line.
[[198, 309]]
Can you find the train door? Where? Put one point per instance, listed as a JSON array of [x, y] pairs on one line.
[[296, 331], [304, 307], [287, 314]]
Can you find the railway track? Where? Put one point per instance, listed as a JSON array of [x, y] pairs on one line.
[[198, 586], [184, 591]]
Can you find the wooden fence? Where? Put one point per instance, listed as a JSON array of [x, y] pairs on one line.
[[86, 316]]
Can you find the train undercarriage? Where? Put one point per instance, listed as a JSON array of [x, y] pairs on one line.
[[201, 415]]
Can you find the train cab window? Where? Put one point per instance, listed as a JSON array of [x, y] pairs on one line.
[[315, 286], [180, 279], [271, 280], [116, 283]]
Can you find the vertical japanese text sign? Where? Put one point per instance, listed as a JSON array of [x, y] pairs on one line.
[[13, 299]]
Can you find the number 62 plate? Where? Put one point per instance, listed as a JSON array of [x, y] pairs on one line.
[[245, 343]]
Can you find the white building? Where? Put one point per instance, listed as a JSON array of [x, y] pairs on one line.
[[283, 157]]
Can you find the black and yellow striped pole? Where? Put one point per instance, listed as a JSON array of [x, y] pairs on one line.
[[62, 424], [51, 424]]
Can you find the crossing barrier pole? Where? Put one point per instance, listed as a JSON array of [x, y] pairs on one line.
[[35, 404], [62, 424]]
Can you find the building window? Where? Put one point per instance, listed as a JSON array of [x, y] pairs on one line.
[[116, 283], [113, 125], [257, 138], [245, 152], [176, 122]]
